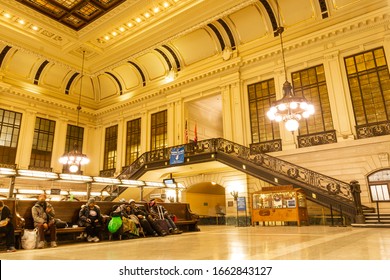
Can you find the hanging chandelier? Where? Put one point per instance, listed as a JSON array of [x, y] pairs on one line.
[[290, 108], [75, 159]]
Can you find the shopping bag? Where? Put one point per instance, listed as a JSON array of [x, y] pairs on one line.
[[29, 239], [114, 224]]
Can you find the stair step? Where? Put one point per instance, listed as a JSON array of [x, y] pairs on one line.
[[372, 225]]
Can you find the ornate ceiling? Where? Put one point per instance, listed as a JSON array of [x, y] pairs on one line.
[[75, 14], [132, 46]]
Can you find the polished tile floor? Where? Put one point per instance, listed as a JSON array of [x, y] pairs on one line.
[[231, 243]]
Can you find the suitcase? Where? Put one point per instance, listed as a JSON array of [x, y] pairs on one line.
[[161, 221]]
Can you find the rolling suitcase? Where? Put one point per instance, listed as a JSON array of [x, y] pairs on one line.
[[161, 221]]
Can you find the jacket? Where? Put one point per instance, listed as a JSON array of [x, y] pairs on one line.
[[85, 213], [6, 213], [154, 210], [39, 213]]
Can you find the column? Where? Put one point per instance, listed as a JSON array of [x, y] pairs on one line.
[[59, 140], [26, 139], [120, 148], [337, 95]]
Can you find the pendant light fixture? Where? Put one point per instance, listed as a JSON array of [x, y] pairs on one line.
[[75, 159], [290, 108]]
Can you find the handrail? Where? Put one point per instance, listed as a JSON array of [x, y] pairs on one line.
[[236, 153]]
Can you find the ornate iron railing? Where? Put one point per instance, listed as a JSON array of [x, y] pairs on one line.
[[316, 139], [372, 130], [311, 179], [266, 147]]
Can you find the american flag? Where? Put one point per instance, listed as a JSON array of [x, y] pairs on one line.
[[186, 134], [196, 134]]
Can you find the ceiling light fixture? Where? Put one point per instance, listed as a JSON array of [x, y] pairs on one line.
[[74, 159], [290, 108]]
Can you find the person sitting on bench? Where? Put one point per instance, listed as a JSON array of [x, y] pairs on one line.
[[43, 214], [91, 218], [7, 227], [155, 209]]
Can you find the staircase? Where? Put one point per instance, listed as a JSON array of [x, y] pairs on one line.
[[324, 190], [374, 219]]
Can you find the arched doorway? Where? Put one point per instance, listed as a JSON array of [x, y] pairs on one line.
[[207, 199]]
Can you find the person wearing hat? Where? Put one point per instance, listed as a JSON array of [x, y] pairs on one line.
[[91, 218], [43, 215], [155, 209], [131, 226], [150, 227]]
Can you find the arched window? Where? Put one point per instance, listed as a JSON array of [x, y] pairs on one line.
[[379, 185]]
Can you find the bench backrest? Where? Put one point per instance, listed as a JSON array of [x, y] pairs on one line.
[[68, 211], [181, 210]]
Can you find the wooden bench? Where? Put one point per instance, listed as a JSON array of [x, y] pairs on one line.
[[186, 219], [68, 211]]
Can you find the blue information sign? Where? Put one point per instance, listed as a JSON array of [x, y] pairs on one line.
[[241, 204]]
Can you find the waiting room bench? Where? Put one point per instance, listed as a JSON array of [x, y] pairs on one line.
[[68, 211]]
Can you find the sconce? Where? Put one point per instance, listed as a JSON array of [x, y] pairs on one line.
[[234, 194]]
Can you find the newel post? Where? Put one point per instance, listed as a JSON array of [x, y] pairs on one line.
[[355, 190]]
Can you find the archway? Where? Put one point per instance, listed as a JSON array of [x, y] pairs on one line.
[[207, 199]]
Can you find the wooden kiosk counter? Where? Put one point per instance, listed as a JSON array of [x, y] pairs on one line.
[[281, 203]]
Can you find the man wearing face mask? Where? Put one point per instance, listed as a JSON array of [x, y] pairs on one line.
[[43, 214]]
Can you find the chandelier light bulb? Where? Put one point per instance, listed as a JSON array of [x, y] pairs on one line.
[[271, 115], [293, 105], [282, 107], [292, 125], [73, 168]]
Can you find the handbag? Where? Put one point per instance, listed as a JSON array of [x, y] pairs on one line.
[[29, 239]]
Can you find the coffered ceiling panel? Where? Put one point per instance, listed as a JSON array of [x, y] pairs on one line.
[[55, 76], [23, 64], [128, 75], [108, 87], [75, 14], [86, 88], [153, 64], [305, 8], [196, 46], [249, 24]]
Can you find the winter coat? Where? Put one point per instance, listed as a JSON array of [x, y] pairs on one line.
[[40, 215], [85, 213]]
